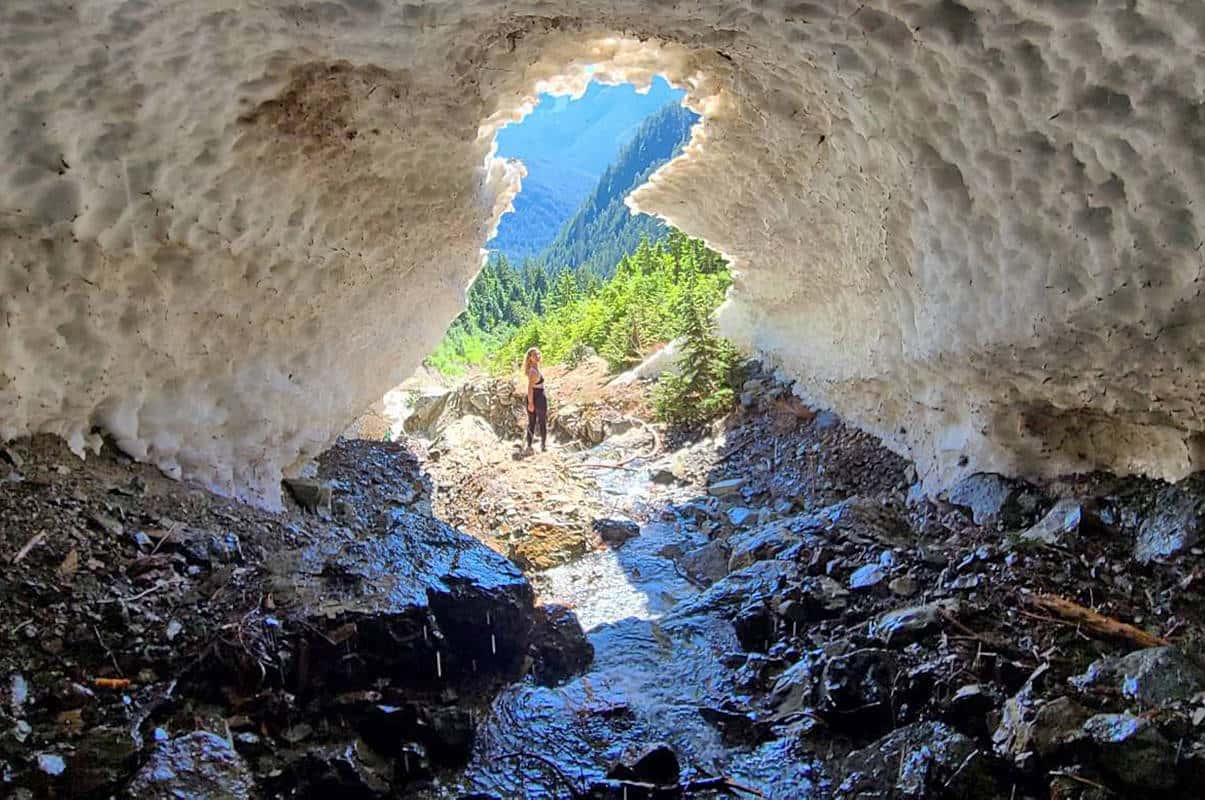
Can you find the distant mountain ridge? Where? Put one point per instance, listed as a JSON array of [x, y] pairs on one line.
[[567, 145], [603, 229]]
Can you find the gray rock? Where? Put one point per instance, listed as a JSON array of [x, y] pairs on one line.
[[201, 764], [1030, 726], [559, 647], [726, 487], [1173, 527], [740, 516], [616, 530], [312, 495], [904, 586], [1062, 524], [906, 625], [760, 544], [1156, 676], [923, 760], [991, 497], [813, 599], [706, 564], [794, 690], [867, 577], [1129, 749]]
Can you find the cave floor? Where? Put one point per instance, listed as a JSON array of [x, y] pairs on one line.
[[768, 612]]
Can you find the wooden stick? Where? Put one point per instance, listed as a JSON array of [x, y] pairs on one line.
[[33, 542], [1094, 622]]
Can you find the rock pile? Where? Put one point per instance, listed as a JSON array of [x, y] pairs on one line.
[[164, 641]]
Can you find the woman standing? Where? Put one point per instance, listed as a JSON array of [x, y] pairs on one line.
[[537, 403]]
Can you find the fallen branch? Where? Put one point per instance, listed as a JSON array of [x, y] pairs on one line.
[[133, 597], [1073, 613]]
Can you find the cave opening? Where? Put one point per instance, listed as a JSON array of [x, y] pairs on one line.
[[917, 556]]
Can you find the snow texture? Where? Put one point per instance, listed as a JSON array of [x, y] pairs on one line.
[[972, 229]]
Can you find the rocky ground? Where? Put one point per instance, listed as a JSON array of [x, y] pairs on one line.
[[771, 606]]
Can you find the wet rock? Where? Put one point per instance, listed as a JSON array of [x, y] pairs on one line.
[[812, 600], [559, 647], [923, 760], [1132, 751], [795, 689], [312, 495], [1174, 526], [349, 770], [450, 731], [616, 530], [655, 763], [905, 625], [754, 626], [420, 602], [760, 544], [201, 764], [726, 487], [103, 758], [707, 564], [1156, 676], [1062, 524], [855, 688], [992, 498]]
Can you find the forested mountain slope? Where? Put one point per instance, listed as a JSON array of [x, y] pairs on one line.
[[566, 145], [603, 230]]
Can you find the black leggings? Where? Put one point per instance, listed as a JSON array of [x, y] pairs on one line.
[[538, 417]]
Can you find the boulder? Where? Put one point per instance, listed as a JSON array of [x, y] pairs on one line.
[[1154, 677], [1031, 726], [655, 763], [616, 530], [201, 764], [923, 760], [795, 689], [420, 602], [706, 564], [1174, 526], [1131, 751], [347, 769], [856, 687], [991, 498], [559, 647], [906, 625], [812, 600], [312, 495]]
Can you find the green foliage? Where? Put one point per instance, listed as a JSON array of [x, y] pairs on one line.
[[709, 368], [626, 316]]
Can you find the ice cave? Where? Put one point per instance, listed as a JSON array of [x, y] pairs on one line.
[[974, 230]]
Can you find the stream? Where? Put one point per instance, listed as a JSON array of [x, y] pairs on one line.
[[664, 652]]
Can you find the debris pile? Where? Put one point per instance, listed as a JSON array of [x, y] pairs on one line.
[[159, 639]]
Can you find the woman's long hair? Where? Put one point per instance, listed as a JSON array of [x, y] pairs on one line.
[[529, 360]]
